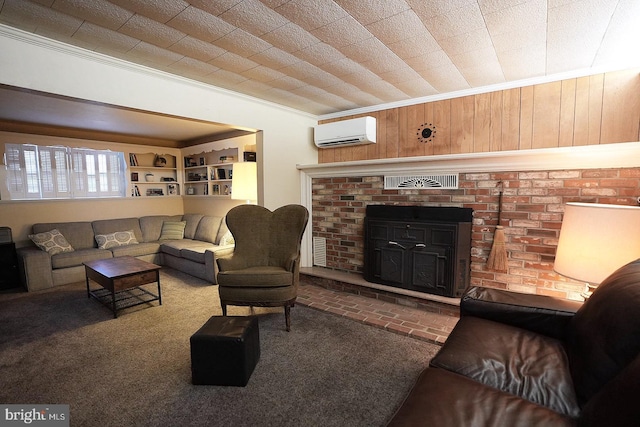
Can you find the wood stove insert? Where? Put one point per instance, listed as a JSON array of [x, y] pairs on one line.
[[420, 248]]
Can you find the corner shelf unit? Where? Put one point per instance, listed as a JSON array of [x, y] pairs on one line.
[[209, 174], [153, 175]]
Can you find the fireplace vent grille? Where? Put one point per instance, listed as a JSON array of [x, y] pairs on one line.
[[320, 251], [444, 181]]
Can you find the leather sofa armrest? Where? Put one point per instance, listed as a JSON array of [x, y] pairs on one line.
[[35, 268], [538, 313]]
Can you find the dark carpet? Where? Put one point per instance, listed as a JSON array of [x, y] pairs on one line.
[[59, 347]]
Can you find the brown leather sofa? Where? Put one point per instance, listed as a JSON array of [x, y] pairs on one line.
[[531, 360]]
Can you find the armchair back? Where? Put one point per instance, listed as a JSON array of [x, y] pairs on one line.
[[265, 238]]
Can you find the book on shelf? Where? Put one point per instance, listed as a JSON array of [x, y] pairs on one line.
[[136, 191], [133, 160]]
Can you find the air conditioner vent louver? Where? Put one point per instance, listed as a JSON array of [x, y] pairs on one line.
[[445, 181]]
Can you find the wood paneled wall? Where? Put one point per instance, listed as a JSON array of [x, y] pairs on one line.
[[597, 109]]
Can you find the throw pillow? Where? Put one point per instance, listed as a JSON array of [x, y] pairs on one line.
[[172, 230], [52, 242], [227, 239], [119, 238]]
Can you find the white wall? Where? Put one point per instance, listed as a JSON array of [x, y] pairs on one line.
[[34, 62]]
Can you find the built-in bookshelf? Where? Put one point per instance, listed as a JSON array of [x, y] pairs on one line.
[[210, 173], [153, 175]]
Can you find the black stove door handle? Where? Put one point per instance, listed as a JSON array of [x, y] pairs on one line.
[[396, 244]]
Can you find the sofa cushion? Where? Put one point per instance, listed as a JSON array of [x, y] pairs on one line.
[[173, 230], [146, 248], [119, 238], [192, 221], [173, 247], [444, 399], [196, 254], [523, 363], [52, 242], [76, 258], [78, 234], [108, 226], [151, 226], [208, 229]]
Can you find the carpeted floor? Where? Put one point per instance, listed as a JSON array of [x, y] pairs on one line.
[[57, 346]]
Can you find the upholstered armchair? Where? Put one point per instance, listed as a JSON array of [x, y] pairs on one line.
[[263, 270]]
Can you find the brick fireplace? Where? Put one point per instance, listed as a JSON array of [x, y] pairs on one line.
[[533, 203]]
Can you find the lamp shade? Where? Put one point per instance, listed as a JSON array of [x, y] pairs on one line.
[[244, 181], [596, 239]]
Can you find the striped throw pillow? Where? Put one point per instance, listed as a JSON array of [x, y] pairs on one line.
[[172, 230]]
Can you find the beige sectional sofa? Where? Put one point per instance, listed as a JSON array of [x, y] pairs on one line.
[[205, 238]]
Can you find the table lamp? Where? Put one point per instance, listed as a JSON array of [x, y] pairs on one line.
[[244, 182], [595, 240]]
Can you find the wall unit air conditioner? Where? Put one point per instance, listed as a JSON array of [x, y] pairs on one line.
[[346, 132]]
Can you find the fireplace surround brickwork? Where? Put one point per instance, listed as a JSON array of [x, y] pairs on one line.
[[532, 208]]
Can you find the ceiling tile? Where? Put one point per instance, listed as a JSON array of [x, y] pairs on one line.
[[196, 49], [343, 67], [619, 46], [319, 54], [457, 21], [158, 10], [311, 14], [263, 74], [523, 63], [366, 50], [575, 31], [290, 38], [415, 47], [99, 12], [286, 83], [371, 11], [190, 67], [151, 31], [446, 78], [416, 88], [427, 9], [151, 54], [31, 17], [466, 42], [342, 32], [224, 78], [405, 25], [232, 62], [242, 43], [104, 37], [254, 17], [215, 7], [200, 24], [274, 58]]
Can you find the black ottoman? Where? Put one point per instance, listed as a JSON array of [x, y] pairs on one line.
[[225, 350]]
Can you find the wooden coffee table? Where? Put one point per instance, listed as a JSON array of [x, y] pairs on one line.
[[121, 279]]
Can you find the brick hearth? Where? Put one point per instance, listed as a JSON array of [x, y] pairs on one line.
[[429, 319]]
